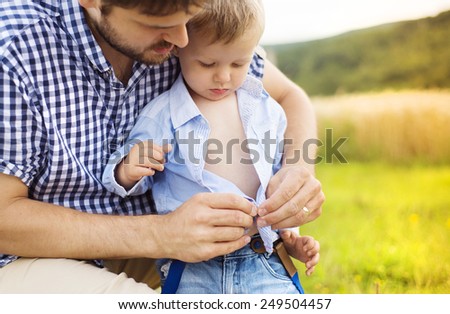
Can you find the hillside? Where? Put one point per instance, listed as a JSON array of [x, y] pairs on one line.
[[404, 55]]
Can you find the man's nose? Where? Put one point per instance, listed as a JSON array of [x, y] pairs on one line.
[[177, 36]]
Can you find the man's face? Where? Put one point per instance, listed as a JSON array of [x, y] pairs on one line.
[[144, 38]]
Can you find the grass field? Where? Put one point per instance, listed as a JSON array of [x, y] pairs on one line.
[[384, 229], [385, 226]]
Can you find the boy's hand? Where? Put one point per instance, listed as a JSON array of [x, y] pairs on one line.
[[304, 248], [143, 160]]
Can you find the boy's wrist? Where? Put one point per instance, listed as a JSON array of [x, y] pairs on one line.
[[121, 177]]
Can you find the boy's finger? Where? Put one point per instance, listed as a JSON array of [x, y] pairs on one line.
[[313, 261], [309, 243], [166, 148], [286, 235], [159, 154], [154, 154], [154, 164], [140, 172], [310, 271]]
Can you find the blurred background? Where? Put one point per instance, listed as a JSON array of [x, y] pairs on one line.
[[378, 74]]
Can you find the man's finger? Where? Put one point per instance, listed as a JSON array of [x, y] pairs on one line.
[[223, 248], [227, 234], [291, 213], [227, 201], [286, 190], [230, 218]]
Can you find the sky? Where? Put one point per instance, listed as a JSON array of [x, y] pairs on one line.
[[302, 20]]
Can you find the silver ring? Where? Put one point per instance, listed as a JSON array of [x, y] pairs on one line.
[[306, 210]]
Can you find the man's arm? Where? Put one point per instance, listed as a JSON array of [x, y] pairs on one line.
[[194, 232], [294, 186], [299, 112]]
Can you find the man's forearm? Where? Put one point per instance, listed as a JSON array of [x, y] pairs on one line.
[[37, 229], [301, 129], [301, 133]]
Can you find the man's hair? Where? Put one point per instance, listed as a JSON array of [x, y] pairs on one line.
[[153, 7], [227, 20]]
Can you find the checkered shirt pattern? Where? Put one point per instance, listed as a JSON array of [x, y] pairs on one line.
[[63, 111]]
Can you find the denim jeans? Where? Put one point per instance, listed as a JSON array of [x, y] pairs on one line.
[[243, 272]]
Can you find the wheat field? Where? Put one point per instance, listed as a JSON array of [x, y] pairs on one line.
[[399, 127]]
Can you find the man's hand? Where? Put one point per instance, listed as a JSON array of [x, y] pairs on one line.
[[291, 189], [206, 226], [304, 248]]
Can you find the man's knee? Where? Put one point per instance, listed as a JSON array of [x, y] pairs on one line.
[[48, 275]]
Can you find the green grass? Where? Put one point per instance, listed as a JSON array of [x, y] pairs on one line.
[[384, 229]]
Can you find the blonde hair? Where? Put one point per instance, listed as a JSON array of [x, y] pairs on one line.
[[228, 20]]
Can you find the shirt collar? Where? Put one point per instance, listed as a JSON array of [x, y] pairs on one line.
[[77, 27], [253, 87], [182, 107], [250, 95]]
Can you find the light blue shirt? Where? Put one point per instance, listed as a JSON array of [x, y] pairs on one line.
[[174, 118]]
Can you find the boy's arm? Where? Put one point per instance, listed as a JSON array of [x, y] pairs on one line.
[[139, 158], [294, 186]]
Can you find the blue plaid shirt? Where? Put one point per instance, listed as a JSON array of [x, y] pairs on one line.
[[63, 111]]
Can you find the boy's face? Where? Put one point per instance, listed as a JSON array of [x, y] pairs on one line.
[[144, 38], [214, 71]]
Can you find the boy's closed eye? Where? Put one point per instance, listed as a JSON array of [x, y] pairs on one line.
[[206, 65]]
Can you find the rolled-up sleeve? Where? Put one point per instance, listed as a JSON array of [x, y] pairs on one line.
[[23, 135]]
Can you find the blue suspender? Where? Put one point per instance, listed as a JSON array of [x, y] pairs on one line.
[[173, 278], [297, 284]]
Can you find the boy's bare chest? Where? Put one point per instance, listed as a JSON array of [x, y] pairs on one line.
[[227, 152]]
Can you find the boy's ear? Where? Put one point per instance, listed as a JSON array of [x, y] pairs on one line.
[[89, 3]]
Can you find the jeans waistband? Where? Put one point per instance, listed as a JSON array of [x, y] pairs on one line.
[[255, 247]]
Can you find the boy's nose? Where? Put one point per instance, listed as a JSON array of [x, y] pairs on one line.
[[222, 76]]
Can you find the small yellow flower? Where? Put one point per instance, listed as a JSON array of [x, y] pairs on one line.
[[414, 219]]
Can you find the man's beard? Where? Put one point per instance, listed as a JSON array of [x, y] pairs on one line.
[[146, 57]]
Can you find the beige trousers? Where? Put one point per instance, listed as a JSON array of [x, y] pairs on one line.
[[47, 275]]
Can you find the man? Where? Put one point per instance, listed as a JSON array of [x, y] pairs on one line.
[[74, 76]]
